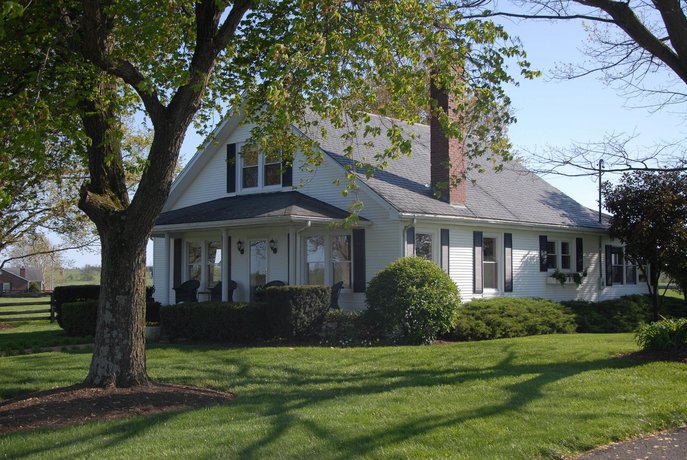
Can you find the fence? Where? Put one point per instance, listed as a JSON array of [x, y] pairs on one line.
[[8, 316]]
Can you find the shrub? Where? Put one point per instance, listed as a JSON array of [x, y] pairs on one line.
[[345, 329], [297, 312], [664, 335], [34, 286], [624, 314], [63, 294], [78, 318], [412, 300], [484, 319], [215, 321]]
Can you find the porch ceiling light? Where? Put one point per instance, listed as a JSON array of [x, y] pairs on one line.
[[239, 246], [273, 246]]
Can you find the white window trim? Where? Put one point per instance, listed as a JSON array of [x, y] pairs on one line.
[[261, 187], [436, 242], [499, 264], [559, 255]]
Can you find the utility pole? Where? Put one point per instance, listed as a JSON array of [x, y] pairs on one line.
[[601, 166]]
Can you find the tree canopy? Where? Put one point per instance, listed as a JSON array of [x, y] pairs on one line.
[[77, 69], [649, 216]]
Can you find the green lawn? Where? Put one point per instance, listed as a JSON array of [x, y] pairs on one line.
[[535, 397]]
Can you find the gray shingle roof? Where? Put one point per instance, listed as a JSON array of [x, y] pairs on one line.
[[32, 273], [276, 204], [513, 195]]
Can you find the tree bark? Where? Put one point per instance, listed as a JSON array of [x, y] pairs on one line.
[[119, 349]]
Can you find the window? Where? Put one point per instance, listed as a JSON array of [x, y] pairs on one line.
[[559, 255], [551, 255], [565, 255], [6, 287], [617, 265], [193, 264], [490, 265], [272, 169], [260, 170], [314, 247], [214, 268], [341, 260], [328, 260], [423, 245], [643, 272]]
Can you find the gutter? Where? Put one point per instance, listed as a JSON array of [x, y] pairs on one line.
[[475, 221], [251, 222]]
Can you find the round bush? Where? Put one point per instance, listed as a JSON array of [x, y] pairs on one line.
[[412, 300]]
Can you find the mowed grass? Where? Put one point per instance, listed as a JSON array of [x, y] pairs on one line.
[[534, 397]]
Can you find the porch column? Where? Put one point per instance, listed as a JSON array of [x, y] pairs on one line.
[[169, 250], [226, 251]]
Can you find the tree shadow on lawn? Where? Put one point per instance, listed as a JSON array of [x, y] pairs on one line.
[[278, 394]]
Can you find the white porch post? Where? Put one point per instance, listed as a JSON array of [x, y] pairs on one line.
[[225, 265], [165, 287], [169, 250]]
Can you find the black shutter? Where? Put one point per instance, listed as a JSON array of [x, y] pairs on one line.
[[543, 264], [176, 262], [508, 262], [477, 263], [287, 174], [358, 260], [231, 168], [609, 265], [410, 242], [579, 255], [444, 249]]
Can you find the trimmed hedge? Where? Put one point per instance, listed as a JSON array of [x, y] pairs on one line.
[[624, 314], [664, 335], [215, 321], [78, 318], [80, 293], [297, 312], [65, 294], [412, 300], [345, 329], [484, 319]]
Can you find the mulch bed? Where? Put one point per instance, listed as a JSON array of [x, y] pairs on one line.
[[78, 404], [674, 355], [5, 326]]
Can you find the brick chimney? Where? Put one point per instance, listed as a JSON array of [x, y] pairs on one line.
[[22, 272], [447, 160]]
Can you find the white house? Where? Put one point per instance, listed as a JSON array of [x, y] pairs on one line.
[[237, 215]]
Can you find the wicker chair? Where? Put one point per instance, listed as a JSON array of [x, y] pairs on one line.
[[216, 291], [187, 291]]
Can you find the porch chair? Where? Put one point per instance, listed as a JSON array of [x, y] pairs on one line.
[[187, 291], [336, 290], [216, 291], [259, 294]]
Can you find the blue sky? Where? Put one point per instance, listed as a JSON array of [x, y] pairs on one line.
[[550, 112]]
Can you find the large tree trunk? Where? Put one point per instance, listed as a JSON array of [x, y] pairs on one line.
[[119, 349]]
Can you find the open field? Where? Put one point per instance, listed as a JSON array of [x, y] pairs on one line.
[[534, 397]]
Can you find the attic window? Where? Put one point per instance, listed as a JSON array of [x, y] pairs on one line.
[[259, 170]]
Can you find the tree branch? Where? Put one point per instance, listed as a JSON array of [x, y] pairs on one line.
[[52, 251]]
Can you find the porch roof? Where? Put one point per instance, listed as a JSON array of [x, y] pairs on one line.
[[264, 205]]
